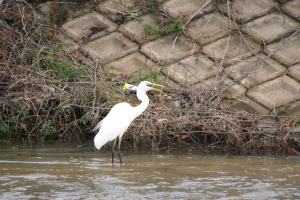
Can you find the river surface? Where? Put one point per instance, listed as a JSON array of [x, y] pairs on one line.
[[58, 172]]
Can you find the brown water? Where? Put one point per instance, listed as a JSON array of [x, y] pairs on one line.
[[81, 173]]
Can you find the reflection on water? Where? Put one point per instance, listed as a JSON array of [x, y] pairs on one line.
[[81, 173]]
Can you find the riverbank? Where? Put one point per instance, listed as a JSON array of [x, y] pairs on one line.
[[54, 91]]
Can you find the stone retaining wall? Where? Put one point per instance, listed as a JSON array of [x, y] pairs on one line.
[[259, 48]]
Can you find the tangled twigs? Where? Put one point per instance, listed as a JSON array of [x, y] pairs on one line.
[[43, 93]]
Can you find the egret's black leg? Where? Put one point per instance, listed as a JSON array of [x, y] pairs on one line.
[[119, 150], [113, 151]]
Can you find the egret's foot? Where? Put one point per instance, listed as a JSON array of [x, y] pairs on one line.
[[112, 157]]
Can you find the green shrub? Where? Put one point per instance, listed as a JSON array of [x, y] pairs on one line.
[[47, 129], [151, 30], [175, 27]]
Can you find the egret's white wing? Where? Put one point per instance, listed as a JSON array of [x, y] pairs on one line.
[[128, 87], [98, 126], [114, 124]]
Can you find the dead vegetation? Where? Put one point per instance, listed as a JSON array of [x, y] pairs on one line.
[[48, 93]]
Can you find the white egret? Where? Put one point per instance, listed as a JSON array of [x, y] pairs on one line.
[[120, 117], [127, 86]]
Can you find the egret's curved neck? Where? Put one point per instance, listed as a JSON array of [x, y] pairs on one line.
[[138, 110]]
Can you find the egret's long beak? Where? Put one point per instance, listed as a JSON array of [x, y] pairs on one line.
[[154, 84]]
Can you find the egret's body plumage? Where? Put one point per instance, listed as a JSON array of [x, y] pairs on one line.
[[119, 114], [120, 117]]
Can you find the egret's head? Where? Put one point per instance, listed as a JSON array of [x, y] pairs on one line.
[[146, 86]]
